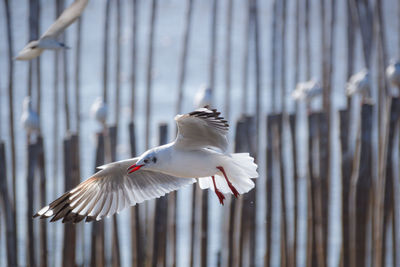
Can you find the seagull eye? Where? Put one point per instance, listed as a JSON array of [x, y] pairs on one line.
[[154, 159], [146, 161]]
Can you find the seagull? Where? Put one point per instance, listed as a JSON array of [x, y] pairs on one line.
[[29, 118], [99, 110], [198, 153], [359, 83], [307, 90], [393, 73], [203, 97], [49, 39]]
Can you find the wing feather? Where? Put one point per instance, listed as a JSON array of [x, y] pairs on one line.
[[202, 128], [109, 191], [67, 17]]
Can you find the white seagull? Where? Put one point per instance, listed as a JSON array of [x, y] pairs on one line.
[[203, 97], [99, 110], [199, 151], [359, 83], [29, 118], [307, 90], [393, 73], [49, 39]]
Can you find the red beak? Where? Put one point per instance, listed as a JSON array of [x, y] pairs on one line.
[[134, 168]]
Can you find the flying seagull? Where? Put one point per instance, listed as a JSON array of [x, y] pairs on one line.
[[198, 153], [49, 39]]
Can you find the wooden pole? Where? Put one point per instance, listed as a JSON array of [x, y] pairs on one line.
[[285, 261], [118, 63], [136, 236], [362, 182], [283, 56], [292, 124], [11, 114], [149, 80], [269, 186], [42, 199], [389, 198], [350, 22], [346, 167], [97, 254], [8, 210], [228, 48], [161, 211], [183, 62]]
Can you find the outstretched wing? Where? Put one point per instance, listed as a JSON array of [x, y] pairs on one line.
[[67, 17], [202, 128], [109, 191]]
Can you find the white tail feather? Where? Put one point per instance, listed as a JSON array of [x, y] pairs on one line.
[[239, 168]]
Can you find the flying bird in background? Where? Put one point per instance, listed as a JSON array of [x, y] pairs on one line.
[[198, 153], [393, 73], [49, 39]]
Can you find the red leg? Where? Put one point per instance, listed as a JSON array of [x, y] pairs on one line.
[[233, 189], [220, 196]]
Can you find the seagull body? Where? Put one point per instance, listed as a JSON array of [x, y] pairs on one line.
[[359, 83], [203, 97], [393, 73], [198, 153], [99, 110], [29, 118], [48, 41], [307, 90]]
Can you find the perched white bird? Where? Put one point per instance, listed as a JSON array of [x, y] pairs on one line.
[[49, 39], [203, 97], [99, 110], [393, 73], [29, 118], [307, 90], [359, 83], [199, 151]]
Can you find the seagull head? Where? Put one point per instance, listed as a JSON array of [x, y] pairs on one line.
[[147, 161], [30, 51]]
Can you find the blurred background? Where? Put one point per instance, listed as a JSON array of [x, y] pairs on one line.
[[309, 88]]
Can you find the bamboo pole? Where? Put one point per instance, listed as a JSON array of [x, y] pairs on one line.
[[283, 57], [135, 4], [105, 50], [118, 63], [31, 246], [346, 167], [308, 40], [136, 258], [273, 55], [6, 200], [228, 48], [11, 114], [78, 75], [245, 64], [350, 22], [149, 68], [65, 80], [183, 61]]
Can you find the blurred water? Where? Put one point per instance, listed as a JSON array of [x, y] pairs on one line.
[[168, 36]]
